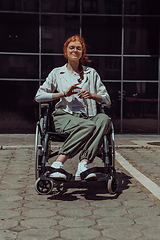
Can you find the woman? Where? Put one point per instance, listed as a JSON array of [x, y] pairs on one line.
[[78, 88]]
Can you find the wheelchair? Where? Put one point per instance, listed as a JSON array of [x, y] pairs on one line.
[[45, 135]]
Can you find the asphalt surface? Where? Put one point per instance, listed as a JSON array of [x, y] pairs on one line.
[[81, 211]]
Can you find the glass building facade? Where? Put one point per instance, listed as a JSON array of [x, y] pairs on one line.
[[123, 42]]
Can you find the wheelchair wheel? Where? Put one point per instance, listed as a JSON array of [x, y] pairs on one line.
[[43, 187], [111, 147], [38, 149], [112, 183]]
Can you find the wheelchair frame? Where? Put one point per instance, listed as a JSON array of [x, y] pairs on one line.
[[44, 136]]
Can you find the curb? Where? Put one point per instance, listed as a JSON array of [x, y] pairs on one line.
[[55, 146], [22, 147]]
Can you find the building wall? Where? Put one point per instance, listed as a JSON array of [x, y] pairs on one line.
[[123, 43]]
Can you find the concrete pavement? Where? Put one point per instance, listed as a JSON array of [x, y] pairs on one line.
[[84, 211]]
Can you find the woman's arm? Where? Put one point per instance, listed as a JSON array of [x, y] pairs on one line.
[[85, 94], [46, 97]]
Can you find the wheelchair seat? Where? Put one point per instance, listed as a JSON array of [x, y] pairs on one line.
[[45, 134]]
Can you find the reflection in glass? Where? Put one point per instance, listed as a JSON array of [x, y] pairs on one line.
[[113, 111], [19, 5], [60, 6], [102, 7], [144, 7], [19, 32], [109, 68], [141, 36], [114, 93], [18, 66], [141, 107], [56, 30], [140, 68], [50, 62], [19, 111], [102, 34]]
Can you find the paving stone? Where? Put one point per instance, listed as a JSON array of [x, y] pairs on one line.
[[84, 211], [38, 223], [4, 214], [106, 204], [12, 184], [138, 203], [7, 223], [6, 193], [132, 196], [149, 221], [75, 212], [77, 222], [8, 205], [122, 233], [8, 235], [40, 204], [13, 198], [80, 233], [115, 221], [37, 234], [34, 197], [77, 204], [145, 211], [109, 212], [152, 232], [39, 213]]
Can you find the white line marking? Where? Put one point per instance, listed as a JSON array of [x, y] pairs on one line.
[[151, 186]]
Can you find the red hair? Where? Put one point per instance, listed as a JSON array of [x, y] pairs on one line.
[[81, 40]]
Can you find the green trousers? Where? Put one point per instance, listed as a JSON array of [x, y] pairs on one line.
[[85, 134]]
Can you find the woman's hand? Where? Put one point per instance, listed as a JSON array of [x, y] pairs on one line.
[[72, 90], [85, 94]]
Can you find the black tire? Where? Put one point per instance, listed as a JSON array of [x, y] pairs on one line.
[[43, 187], [38, 148], [112, 183]]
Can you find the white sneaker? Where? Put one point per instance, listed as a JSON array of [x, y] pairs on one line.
[[83, 166], [58, 175]]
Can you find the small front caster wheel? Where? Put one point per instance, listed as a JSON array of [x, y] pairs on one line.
[[43, 187], [112, 185]]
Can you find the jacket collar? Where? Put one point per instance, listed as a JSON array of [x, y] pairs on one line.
[[64, 73], [63, 69]]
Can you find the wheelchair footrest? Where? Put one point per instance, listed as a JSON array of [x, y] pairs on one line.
[[94, 170], [52, 170], [45, 178]]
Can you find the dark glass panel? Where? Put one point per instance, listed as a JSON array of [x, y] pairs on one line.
[[109, 68], [113, 89], [19, 5], [92, 6], [141, 107], [56, 30], [102, 34], [50, 62], [140, 68], [19, 32], [60, 6], [18, 109], [144, 7], [18, 66], [102, 7], [141, 35], [113, 112]]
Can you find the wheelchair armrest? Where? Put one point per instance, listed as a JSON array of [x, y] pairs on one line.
[[103, 106], [46, 109], [43, 105]]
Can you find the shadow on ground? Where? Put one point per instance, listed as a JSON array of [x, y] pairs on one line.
[[91, 190]]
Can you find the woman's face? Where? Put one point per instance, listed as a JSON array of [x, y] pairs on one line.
[[74, 51]]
